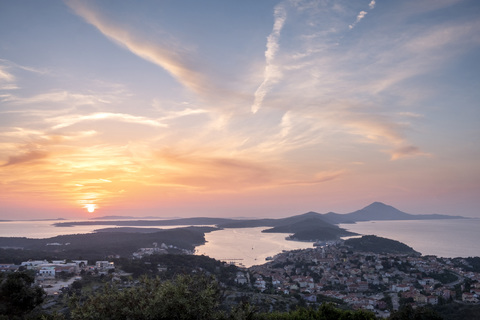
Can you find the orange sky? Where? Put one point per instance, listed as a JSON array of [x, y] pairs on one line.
[[241, 109]]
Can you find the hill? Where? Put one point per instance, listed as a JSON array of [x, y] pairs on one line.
[[381, 211], [374, 211], [311, 228], [100, 245], [379, 245]]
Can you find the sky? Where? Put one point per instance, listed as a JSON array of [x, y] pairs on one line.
[[238, 108]]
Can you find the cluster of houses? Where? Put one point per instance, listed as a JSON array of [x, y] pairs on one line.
[[364, 280], [50, 269], [156, 249]]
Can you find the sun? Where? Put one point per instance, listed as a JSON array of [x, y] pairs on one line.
[[90, 207]]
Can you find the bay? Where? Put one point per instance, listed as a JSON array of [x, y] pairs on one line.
[[447, 238], [247, 246]]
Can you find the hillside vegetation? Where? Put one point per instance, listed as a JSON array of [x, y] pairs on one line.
[[379, 245]]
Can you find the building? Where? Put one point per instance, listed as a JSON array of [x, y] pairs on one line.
[[47, 272], [104, 265]]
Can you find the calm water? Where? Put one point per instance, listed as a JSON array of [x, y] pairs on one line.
[[46, 229], [443, 238], [248, 244]]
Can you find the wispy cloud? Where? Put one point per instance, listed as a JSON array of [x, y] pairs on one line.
[[360, 16], [5, 75], [27, 157], [58, 96], [65, 121], [407, 151], [23, 67], [166, 55], [271, 73]]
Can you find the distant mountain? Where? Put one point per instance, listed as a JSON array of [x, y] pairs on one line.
[[380, 211], [308, 226], [126, 217], [132, 223]]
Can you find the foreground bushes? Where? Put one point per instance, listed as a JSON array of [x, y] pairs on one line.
[[185, 297]]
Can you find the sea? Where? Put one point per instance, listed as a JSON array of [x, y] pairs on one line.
[[249, 246]]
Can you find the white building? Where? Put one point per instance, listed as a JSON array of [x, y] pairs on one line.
[[47, 272], [104, 265]]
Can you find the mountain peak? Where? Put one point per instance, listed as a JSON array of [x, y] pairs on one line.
[[379, 211], [377, 204]]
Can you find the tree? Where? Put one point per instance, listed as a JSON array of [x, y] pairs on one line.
[[420, 313], [18, 296], [185, 297], [325, 312]]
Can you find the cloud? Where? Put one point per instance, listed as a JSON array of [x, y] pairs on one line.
[[371, 5], [319, 178], [66, 121], [411, 115], [197, 171], [27, 157], [26, 68], [271, 73], [360, 16], [183, 113], [5, 75], [57, 97], [174, 60], [406, 151]]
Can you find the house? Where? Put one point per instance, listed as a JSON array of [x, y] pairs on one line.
[[47, 272], [400, 288], [432, 300], [260, 284], [8, 267], [104, 265], [469, 297], [362, 286], [420, 298], [240, 278], [81, 263], [33, 264]]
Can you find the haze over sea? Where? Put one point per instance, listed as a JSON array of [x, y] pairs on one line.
[[443, 238]]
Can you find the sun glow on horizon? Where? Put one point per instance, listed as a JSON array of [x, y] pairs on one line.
[[90, 207]]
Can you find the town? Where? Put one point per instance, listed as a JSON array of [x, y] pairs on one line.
[[363, 280], [331, 272]]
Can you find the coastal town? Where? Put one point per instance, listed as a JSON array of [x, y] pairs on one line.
[[331, 272], [364, 280]]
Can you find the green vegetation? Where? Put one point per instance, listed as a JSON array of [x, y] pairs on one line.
[[379, 245], [324, 312], [97, 246], [185, 297], [17, 295], [458, 311], [445, 277], [168, 265], [311, 229], [420, 313]]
